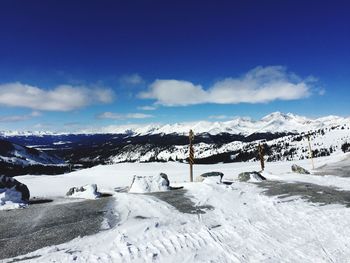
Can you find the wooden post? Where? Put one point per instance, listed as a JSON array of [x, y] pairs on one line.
[[310, 152], [191, 155], [261, 157]]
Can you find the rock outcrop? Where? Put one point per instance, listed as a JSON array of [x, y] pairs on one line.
[[148, 184], [86, 191], [300, 170], [11, 183], [251, 177], [202, 177]]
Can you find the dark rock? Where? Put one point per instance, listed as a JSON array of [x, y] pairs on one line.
[[9, 182], [163, 175], [247, 176], [73, 190], [209, 174], [300, 170]]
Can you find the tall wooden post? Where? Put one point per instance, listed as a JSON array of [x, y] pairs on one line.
[[191, 155], [261, 157], [310, 152]]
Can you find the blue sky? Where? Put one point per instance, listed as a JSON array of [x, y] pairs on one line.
[[69, 65]]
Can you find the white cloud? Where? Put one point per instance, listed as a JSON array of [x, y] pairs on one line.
[[41, 126], [118, 116], [147, 108], [321, 91], [61, 98], [259, 85], [133, 79], [219, 117], [14, 118], [36, 114], [175, 92], [18, 118]]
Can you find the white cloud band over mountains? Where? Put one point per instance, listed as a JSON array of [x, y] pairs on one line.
[[61, 98], [259, 85], [119, 116]]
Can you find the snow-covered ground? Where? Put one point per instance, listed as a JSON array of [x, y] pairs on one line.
[[244, 226]]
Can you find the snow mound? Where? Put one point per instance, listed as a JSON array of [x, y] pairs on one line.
[[148, 184], [10, 198], [212, 180], [86, 192]]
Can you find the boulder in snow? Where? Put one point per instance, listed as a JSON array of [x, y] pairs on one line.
[[87, 192], [300, 170], [251, 177], [10, 183], [147, 184], [13, 194], [204, 176]]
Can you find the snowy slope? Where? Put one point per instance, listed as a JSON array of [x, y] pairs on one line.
[[21, 155], [325, 141]]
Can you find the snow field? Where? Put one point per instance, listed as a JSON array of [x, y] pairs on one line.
[[108, 177], [244, 226]]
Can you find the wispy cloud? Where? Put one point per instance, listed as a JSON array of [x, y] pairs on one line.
[[19, 118], [219, 117], [61, 98], [132, 80], [118, 116], [259, 85], [147, 108]]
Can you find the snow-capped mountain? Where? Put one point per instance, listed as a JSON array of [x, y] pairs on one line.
[[276, 122], [284, 136]]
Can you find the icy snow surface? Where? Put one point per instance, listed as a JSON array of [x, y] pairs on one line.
[[244, 226]]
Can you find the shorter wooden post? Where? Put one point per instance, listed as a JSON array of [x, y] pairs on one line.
[[261, 157], [310, 152], [191, 155]]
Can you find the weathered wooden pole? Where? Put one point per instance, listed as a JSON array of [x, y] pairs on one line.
[[310, 152], [191, 155], [261, 157]]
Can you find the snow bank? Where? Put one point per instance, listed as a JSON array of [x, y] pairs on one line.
[[147, 184], [87, 192], [10, 199]]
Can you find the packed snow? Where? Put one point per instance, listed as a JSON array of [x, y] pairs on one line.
[[244, 225]]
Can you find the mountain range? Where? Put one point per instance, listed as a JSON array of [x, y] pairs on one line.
[[283, 136]]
